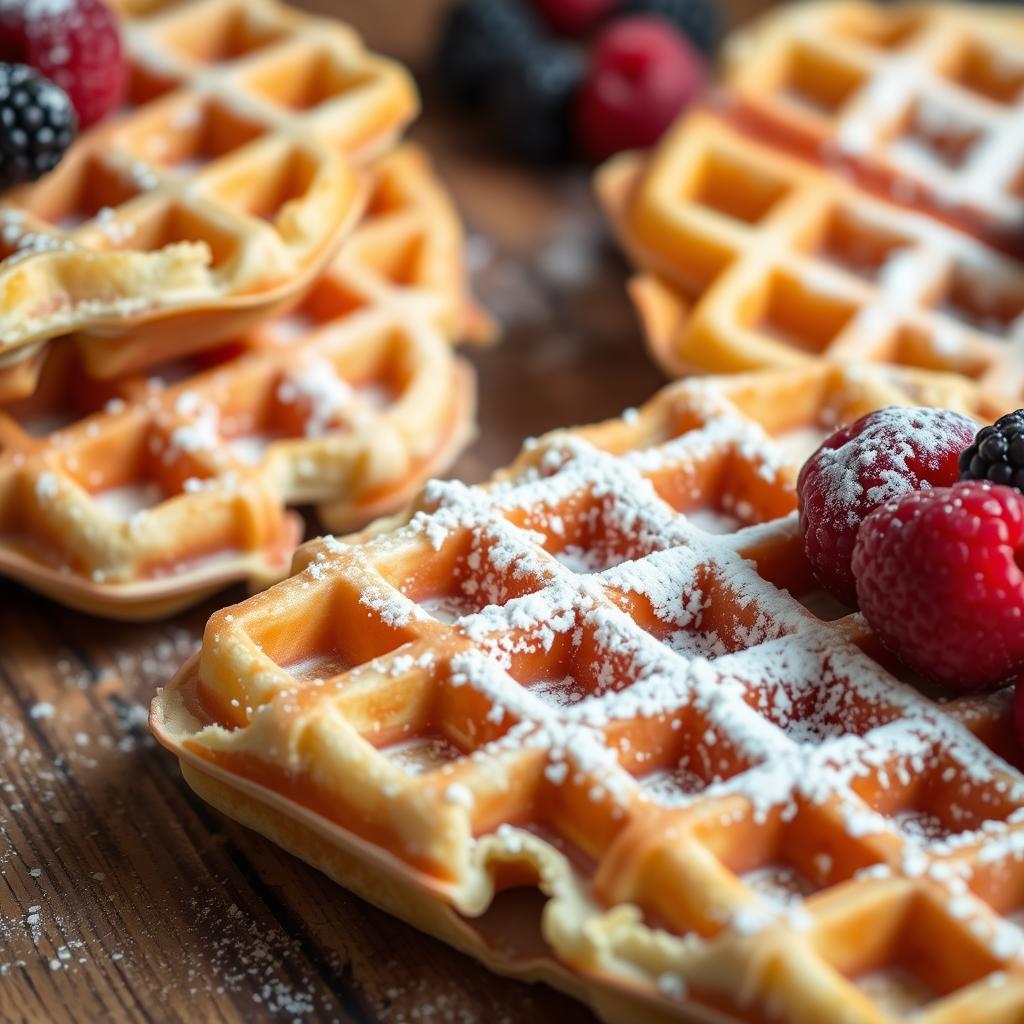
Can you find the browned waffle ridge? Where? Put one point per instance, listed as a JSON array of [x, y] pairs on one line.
[[923, 103], [607, 676], [135, 496], [750, 257], [212, 201]]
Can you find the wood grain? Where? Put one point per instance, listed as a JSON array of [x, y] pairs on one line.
[[123, 896]]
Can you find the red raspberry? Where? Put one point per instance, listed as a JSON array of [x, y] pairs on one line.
[[881, 456], [643, 72], [938, 580], [573, 17], [74, 43]]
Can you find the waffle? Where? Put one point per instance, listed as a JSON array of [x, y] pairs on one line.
[[923, 103], [406, 254], [592, 724], [211, 201], [752, 258], [381, 314]]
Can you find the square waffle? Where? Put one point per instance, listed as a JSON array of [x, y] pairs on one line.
[[135, 496], [211, 201], [592, 724], [924, 103], [754, 258]]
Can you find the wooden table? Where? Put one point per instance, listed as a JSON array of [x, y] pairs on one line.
[[122, 895]]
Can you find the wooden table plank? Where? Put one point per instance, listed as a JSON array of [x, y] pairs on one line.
[[125, 897]]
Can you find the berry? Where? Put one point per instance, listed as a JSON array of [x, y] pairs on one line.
[[643, 72], [884, 454], [698, 20], [532, 103], [939, 582], [37, 124], [74, 43], [573, 17], [480, 41], [997, 453]]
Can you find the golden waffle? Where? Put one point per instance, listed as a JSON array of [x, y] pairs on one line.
[[254, 425], [753, 258], [213, 200], [593, 725], [406, 253], [924, 103], [168, 493]]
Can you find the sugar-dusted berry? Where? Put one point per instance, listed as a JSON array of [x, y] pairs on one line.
[[74, 43], [881, 456]]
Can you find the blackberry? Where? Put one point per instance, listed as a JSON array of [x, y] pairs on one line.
[[997, 453], [37, 124], [480, 40], [698, 20], [531, 104]]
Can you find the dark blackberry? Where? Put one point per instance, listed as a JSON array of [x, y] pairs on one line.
[[699, 20], [37, 124], [997, 453], [532, 103], [479, 41]]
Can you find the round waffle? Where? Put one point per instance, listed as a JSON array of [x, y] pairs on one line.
[[607, 678], [211, 202]]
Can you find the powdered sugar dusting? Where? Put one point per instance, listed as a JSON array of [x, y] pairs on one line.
[[647, 665], [890, 455]]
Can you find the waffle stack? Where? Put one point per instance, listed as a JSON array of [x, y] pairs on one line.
[[807, 213], [608, 676], [237, 295]]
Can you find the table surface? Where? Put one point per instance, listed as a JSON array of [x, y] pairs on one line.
[[122, 895]]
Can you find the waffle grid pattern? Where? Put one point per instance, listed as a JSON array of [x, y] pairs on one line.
[[924, 102], [755, 259], [573, 677], [213, 198], [347, 402], [351, 420]]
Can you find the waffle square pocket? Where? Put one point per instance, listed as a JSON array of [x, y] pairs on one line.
[[212, 200], [607, 677]]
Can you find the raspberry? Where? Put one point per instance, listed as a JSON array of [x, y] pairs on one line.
[[881, 456], [37, 124], [573, 17], [699, 20], [480, 41], [74, 43], [997, 453], [938, 580], [531, 103], [643, 72]]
